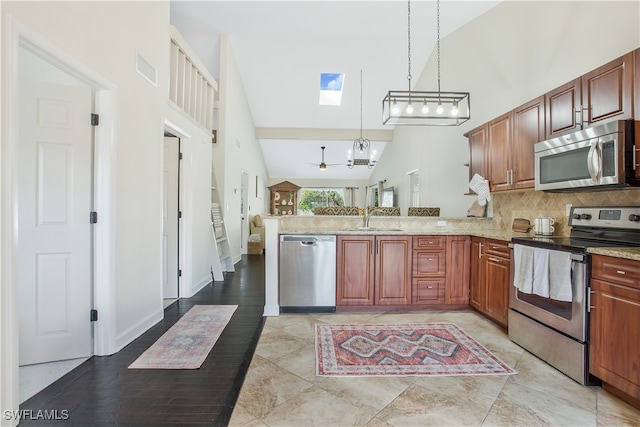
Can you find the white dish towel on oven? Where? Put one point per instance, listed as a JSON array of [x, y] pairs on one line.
[[523, 268], [541, 272], [560, 276]]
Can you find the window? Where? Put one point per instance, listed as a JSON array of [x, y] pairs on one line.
[[331, 88], [312, 198]]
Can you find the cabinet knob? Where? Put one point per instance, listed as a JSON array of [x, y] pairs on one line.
[[621, 272]]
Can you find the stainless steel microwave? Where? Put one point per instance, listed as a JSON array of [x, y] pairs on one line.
[[597, 158]]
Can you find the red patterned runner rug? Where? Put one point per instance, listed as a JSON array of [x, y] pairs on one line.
[[188, 342], [402, 349]]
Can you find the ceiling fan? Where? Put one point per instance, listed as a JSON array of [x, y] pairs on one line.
[[322, 165]]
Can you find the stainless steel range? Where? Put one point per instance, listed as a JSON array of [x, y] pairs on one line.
[[550, 275]]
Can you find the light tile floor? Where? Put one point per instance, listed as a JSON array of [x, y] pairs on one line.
[[282, 389]]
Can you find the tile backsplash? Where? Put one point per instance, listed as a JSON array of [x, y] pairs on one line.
[[530, 204]]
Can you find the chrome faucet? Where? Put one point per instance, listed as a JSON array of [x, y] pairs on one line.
[[368, 213]]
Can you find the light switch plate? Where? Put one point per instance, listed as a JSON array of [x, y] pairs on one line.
[[442, 223]]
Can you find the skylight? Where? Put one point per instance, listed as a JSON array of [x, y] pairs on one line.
[[331, 88]]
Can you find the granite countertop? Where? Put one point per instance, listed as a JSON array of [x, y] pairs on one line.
[[627, 253]]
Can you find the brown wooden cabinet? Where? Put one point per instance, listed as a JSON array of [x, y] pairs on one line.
[[499, 153], [477, 151], [504, 147], [614, 325], [392, 270], [605, 93], [284, 198], [490, 277], [457, 277], [528, 129], [373, 270], [428, 276], [636, 84]]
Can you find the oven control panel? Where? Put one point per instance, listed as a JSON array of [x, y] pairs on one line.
[[606, 217]]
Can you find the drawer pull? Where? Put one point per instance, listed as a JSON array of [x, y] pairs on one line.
[[621, 272], [429, 259], [429, 287], [494, 259], [431, 242]]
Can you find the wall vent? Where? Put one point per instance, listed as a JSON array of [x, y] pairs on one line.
[[146, 70]]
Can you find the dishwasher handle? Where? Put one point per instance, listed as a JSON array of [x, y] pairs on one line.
[[307, 240]]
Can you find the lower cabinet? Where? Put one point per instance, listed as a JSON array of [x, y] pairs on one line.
[[614, 325], [402, 270], [490, 278], [373, 270]]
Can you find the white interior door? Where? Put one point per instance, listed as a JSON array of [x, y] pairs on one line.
[[170, 218], [54, 233], [244, 211]]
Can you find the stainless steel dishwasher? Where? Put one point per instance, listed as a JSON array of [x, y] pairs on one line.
[[307, 273]]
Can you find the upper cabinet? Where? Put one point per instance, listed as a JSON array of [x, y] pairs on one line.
[[284, 198], [502, 150], [636, 84], [528, 129], [605, 93]]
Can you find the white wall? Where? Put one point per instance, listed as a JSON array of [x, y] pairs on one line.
[[515, 52], [237, 148], [106, 36]]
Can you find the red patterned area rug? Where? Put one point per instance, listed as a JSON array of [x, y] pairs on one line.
[[402, 349], [188, 343]]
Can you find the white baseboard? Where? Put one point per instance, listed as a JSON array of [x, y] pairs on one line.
[[272, 310], [135, 331], [201, 284]]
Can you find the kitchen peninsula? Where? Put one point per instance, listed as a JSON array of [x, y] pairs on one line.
[[346, 226]]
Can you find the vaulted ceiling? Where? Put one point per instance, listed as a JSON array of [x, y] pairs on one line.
[[282, 47]]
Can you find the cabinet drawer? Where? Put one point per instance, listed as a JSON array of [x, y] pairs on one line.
[[616, 270], [428, 291], [429, 263], [426, 242], [498, 248]]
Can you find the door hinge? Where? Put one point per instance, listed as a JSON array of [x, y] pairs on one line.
[[179, 156], [179, 214], [94, 315], [93, 217], [95, 119], [179, 273]]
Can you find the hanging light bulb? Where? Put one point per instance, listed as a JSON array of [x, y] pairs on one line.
[[439, 110], [454, 108], [425, 107], [409, 108], [395, 109]]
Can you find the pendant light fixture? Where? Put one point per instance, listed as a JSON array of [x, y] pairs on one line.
[[419, 108], [361, 147]]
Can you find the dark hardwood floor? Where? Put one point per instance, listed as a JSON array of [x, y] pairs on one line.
[[103, 392]]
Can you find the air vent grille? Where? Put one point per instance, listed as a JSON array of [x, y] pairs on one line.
[[146, 70]]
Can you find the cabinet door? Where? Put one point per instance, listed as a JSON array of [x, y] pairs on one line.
[[607, 91], [497, 289], [499, 153], [614, 331], [528, 129], [636, 85], [393, 270], [563, 109], [458, 259], [477, 274], [355, 270], [477, 151]]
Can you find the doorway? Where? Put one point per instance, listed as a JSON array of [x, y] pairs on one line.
[[171, 219], [244, 211]]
